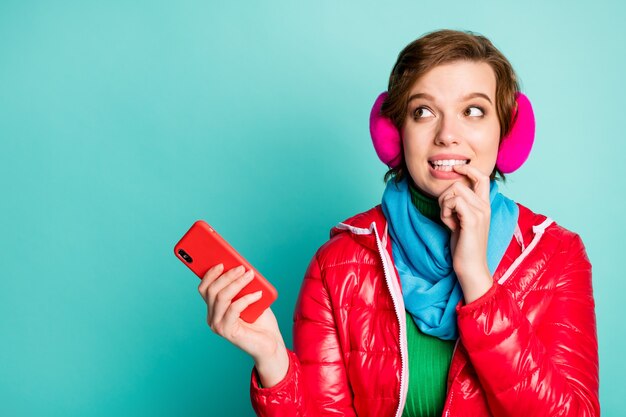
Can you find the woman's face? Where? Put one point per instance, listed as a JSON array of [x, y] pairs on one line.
[[451, 119]]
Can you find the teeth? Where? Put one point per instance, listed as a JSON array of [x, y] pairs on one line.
[[446, 164], [449, 162]]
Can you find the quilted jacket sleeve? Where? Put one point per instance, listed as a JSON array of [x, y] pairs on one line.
[[316, 383], [546, 369]]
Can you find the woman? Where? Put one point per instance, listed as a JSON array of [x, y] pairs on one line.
[[448, 298]]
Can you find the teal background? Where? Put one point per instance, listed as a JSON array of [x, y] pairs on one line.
[[121, 123]]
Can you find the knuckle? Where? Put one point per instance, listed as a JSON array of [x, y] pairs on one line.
[[211, 293], [233, 276], [243, 279], [220, 297]]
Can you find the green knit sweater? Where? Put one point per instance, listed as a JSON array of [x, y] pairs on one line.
[[429, 356]]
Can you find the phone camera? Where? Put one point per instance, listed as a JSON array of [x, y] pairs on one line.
[[185, 256]]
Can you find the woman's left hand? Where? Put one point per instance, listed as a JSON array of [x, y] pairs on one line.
[[467, 212]]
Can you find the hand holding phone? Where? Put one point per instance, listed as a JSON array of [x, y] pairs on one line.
[[262, 339], [230, 294], [202, 248]]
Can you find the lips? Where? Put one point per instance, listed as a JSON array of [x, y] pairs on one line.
[[448, 156]]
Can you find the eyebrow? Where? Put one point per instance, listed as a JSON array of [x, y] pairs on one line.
[[467, 97]]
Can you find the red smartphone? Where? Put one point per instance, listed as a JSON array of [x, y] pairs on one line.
[[202, 247]]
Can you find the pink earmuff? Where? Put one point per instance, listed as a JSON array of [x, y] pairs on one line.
[[385, 135], [516, 145], [514, 148]]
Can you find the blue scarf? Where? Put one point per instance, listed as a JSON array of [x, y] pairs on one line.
[[421, 252]]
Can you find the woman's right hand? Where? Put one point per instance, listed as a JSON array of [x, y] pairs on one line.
[[262, 339]]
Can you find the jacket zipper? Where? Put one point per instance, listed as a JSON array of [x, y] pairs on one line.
[[395, 307]]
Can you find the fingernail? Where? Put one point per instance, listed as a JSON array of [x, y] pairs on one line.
[[240, 268], [258, 294], [249, 274]]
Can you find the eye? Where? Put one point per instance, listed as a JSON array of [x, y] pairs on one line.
[[422, 112], [474, 111]]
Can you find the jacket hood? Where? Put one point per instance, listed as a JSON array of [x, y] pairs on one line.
[[361, 227]]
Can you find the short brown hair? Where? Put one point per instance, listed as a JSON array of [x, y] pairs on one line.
[[441, 47]]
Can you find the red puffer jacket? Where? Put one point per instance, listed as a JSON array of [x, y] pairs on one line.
[[527, 347]]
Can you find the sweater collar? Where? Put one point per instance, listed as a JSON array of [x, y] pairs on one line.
[[428, 206]]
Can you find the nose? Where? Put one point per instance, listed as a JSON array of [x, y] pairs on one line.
[[448, 131]]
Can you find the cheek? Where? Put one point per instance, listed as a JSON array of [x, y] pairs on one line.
[[415, 139], [413, 157], [495, 142], [489, 149], [414, 147], [488, 139], [485, 143]]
